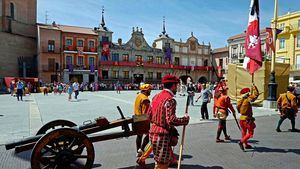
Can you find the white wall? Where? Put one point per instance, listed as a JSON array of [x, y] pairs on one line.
[[176, 48], [184, 61], [192, 61], [200, 62], [159, 44], [200, 51]]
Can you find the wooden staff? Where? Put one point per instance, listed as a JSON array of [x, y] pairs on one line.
[[183, 134]]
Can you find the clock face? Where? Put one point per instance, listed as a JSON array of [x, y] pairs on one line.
[[138, 42]]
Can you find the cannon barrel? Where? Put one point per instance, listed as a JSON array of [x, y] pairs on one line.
[[27, 140], [33, 139]]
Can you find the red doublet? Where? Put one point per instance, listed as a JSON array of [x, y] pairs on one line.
[[162, 116]]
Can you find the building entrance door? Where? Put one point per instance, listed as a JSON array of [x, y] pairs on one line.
[[76, 77], [91, 78], [138, 78]]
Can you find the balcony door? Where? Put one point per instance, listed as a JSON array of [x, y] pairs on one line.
[[298, 62], [51, 64]]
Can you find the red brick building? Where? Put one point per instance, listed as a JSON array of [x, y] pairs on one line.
[[67, 53], [17, 38]]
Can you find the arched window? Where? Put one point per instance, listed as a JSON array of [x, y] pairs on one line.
[[12, 10]]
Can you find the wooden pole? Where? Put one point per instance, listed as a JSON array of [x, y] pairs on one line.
[[183, 135]]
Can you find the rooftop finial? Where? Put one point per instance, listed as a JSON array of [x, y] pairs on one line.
[[192, 34], [164, 28], [102, 21]]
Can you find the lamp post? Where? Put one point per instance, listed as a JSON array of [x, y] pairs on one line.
[[272, 83]]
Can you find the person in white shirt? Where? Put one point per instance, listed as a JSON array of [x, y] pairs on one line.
[[76, 89]]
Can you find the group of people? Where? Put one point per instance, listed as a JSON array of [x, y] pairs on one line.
[[162, 115], [161, 112], [20, 88]]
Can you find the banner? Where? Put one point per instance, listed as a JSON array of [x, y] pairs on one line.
[[92, 68], [80, 51], [105, 50], [168, 54], [269, 41], [253, 58], [70, 67]]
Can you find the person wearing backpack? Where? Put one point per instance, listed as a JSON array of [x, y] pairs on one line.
[[244, 107], [287, 105]]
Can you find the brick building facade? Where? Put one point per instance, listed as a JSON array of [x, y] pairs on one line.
[[18, 38], [67, 53]]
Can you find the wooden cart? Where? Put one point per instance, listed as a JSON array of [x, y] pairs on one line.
[[63, 144]]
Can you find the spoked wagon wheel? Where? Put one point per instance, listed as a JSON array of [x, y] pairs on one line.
[[55, 125], [62, 149]]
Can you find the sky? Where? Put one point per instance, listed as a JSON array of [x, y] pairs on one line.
[[211, 21]]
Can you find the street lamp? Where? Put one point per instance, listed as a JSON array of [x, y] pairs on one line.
[[272, 83]]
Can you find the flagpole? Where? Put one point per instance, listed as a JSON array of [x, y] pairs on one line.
[[272, 83]]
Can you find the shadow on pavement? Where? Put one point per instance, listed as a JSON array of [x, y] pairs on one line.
[[79, 100], [249, 141], [183, 166], [184, 156], [275, 150], [23, 155], [26, 155], [27, 100]]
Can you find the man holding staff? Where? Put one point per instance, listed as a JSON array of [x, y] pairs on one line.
[[163, 119]]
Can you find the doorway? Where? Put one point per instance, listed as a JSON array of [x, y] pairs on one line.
[[138, 78], [91, 78], [76, 77]]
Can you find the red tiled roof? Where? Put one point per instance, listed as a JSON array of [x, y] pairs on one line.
[[219, 50], [71, 29], [76, 29], [262, 31]]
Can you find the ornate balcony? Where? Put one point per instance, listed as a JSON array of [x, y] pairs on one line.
[[155, 65]]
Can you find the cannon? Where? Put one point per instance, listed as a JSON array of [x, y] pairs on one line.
[[63, 144]]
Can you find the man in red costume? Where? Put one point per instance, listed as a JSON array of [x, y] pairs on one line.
[[163, 119], [244, 107], [223, 105], [217, 92]]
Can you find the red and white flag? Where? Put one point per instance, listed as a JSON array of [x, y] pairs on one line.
[[253, 58], [269, 40]]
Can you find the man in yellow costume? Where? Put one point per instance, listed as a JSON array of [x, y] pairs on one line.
[[141, 106], [244, 107], [287, 105]]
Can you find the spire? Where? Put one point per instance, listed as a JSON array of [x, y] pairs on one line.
[[164, 29], [102, 22]]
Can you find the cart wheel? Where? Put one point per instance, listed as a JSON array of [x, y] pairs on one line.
[[62, 148], [54, 125]]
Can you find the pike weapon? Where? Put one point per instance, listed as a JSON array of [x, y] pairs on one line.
[[237, 123], [183, 134]]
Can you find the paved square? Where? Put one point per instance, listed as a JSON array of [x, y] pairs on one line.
[[22, 119]]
